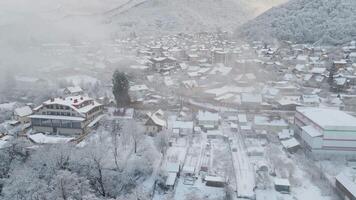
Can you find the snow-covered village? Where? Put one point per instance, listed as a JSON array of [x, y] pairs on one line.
[[185, 115]]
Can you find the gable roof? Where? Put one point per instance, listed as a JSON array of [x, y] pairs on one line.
[[156, 118]]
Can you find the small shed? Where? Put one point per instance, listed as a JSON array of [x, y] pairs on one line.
[[188, 170], [291, 145], [215, 181], [282, 185], [171, 180]]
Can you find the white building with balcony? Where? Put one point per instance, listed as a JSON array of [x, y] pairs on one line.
[[72, 115]]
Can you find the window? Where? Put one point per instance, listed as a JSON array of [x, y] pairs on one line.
[[76, 125], [66, 124], [56, 122], [36, 122], [46, 122]]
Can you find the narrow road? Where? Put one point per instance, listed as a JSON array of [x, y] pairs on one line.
[[244, 172]]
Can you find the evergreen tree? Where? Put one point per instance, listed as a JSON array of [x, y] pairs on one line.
[[121, 89]]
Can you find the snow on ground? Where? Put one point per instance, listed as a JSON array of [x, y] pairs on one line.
[[303, 176], [199, 189], [244, 171]]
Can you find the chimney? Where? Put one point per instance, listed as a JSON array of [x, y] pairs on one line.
[[52, 99], [81, 98], [75, 100]]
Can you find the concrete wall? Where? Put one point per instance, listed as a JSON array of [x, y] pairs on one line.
[[313, 142]]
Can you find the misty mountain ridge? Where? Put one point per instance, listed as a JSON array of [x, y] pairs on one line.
[[305, 21], [187, 15]]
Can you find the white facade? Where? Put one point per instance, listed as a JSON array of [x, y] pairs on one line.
[[326, 132], [66, 116]]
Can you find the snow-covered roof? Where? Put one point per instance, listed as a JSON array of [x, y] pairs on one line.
[[74, 89], [156, 118], [23, 111], [215, 179], [347, 182], [281, 181], [182, 125], [290, 143], [81, 104], [251, 98], [310, 98], [188, 169], [300, 67], [318, 70], [207, 116], [171, 179], [138, 87], [329, 119], [40, 138], [284, 134], [242, 118], [311, 131], [172, 167]]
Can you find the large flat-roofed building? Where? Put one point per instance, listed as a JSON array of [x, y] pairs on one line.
[[326, 132], [72, 115]]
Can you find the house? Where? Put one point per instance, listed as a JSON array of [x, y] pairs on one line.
[[73, 91], [183, 127], [21, 114], [325, 132], [291, 145], [208, 120], [163, 64], [219, 56], [339, 64], [282, 185], [288, 103], [310, 100], [155, 122], [251, 100], [73, 115], [345, 184], [242, 118], [172, 170], [269, 124]]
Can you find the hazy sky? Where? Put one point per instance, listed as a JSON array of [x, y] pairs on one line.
[[31, 22]]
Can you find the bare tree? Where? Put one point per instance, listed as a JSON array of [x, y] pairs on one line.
[[135, 132], [162, 141]]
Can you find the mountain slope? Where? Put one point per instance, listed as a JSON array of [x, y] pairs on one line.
[[310, 21], [188, 15]]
